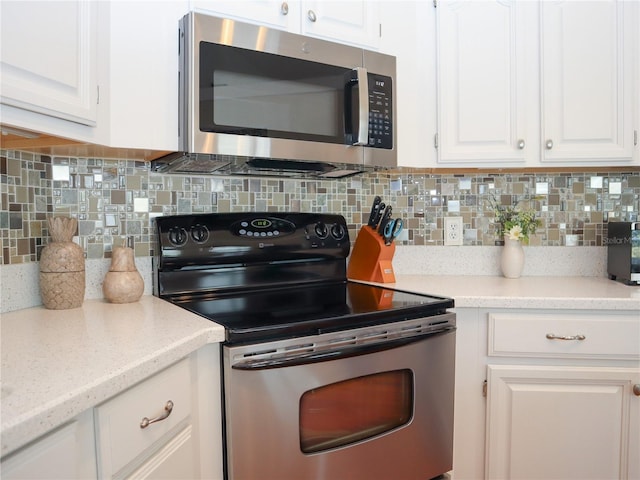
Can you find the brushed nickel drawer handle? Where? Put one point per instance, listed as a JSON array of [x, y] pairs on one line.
[[145, 422], [553, 336]]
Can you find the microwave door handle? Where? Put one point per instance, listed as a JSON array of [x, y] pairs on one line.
[[363, 106]]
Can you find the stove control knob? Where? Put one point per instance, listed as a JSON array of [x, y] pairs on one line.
[[178, 236], [199, 233], [321, 230], [337, 231]]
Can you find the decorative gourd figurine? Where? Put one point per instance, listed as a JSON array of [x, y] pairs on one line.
[[123, 283], [62, 281]]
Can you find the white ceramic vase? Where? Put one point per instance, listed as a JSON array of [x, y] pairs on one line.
[[512, 259]]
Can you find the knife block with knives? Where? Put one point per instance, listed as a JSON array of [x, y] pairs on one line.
[[371, 258], [374, 248]]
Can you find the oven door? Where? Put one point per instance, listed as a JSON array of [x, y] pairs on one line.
[[375, 410]]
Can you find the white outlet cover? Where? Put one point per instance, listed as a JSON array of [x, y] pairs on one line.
[[453, 231]]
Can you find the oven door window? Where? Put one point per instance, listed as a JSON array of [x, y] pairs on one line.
[[247, 92], [353, 410]]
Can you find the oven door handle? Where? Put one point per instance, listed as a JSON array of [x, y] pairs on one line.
[[332, 354]]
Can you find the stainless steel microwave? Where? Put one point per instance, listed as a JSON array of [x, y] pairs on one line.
[[255, 99]]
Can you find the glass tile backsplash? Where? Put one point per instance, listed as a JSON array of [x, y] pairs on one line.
[[115, 199]]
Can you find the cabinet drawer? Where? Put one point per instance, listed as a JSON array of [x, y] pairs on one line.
[[120, 436], [559, 335]]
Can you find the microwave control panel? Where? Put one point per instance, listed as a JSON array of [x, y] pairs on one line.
[[380, 111]]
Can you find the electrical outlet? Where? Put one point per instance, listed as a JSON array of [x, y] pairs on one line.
[[453, 230]]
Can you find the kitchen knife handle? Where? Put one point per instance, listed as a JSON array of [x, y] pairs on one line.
[[386, 217], [375, 208]]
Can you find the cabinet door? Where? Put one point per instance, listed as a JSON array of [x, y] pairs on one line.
[[280, 14], [49, 60], [356, 22], [561, 422], [587, 81], [469, 409], [173, 460], [487, 81], [68, 452], [144, 73], [125, 444]]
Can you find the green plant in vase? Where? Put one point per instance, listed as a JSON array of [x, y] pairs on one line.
[[513, 222]]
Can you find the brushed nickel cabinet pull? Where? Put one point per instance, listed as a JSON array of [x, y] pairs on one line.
[[145, 422], [553, 336]]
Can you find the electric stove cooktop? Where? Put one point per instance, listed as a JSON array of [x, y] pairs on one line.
[[267, 276]]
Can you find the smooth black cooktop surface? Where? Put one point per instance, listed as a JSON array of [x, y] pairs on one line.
[[278, 313]]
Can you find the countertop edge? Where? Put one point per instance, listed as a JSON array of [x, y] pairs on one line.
[[561, 293], [19, 431], [567, 293]]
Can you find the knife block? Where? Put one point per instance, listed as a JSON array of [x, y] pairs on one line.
[[370, 258]]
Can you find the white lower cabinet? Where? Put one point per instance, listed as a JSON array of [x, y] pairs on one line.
[[560, 400], [67, 452], [560, 422], [168, 426], [470, 404], [149, 428], [181, 437], [561, 394]]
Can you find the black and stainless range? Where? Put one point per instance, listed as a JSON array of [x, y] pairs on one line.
[[323, 377]]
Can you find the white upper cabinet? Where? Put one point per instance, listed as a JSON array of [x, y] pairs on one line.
[[487, 108], [408, 33], [354, 22], [533, 83], [49, 58], [143, 73], [272, 13], [587, 81]]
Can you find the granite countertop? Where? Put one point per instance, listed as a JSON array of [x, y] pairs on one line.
[[577, 293], [58, 363]]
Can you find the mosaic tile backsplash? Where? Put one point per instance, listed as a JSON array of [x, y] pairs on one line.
[[116, 199]]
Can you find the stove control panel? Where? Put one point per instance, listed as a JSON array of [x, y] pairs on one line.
[[248, 237], [178, 236], [263, 227], [335, 231]]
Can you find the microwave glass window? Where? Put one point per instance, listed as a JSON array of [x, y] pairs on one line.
[[249, 101], [262, 94], [353, 410]]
